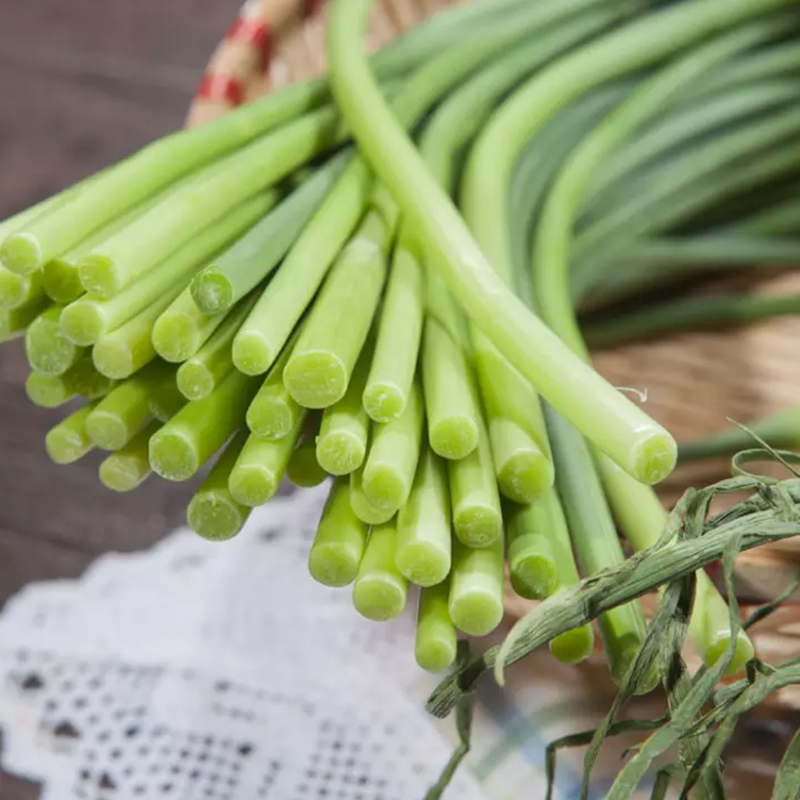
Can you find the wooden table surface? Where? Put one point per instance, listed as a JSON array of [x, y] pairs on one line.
[[83, 83]]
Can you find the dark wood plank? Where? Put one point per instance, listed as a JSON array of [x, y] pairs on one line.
[[83, 84], [12, 788], [26, 558]]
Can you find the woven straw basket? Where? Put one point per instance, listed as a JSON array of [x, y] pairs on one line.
[[693, 381]]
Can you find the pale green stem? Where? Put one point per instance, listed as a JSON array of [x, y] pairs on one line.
[[531, 565], [129, 467], [424, 539], [436, 639], [190, 438], [391, 374], [380, 590], [126, 410], [258, 253], [393, 456], [199, 375], [340, 540], [261, 465], [273, 412], [68, 441], [341, 446], [47, 349], [213, 513], [286, 297], [322, 360], [451, 413], [476, 588]]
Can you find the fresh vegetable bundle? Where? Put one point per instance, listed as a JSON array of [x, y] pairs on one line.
[[377, 276]]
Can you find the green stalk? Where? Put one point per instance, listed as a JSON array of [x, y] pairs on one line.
[[424, 539], [19, 290], [273, 412], [215, 191], [261, 465], [129, 347], [673, 211], [715, 250], [476, 588], [516, 428], [340, 540], [450, 409], [89, 318], [292, 289], [514, 411], [258, 253], [477, 516], [643, 519], [626, 279], [322, 361], [48, 391], [126, 410], [552, 255], [683, 125], [436, 640], [14, 321], [781, 430], [129, 467], [182, 329], [614, 421], [61, 278], [635, 46], [668, 184], [341, 446], [61, 275], [166, 399], [531, 565], [775, 61], [393, 455], [84, 379], [537, 168], [303, 469], [190, 438], [16, 221], [391, 373], [688, 313], [519, 447], [423, 41], [380, 590], [596, 544], [90, 206], [363, 508], [68, 441], [576, 645], [199, 375], [463, 113], [167, 159], [269, 326], [781, 219], [212, 512], [47, 348], [445, 71]]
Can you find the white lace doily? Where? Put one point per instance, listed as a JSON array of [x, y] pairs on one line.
[[216, 672]]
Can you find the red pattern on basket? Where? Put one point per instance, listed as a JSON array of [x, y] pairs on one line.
[[255, 33], [221, 89]]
